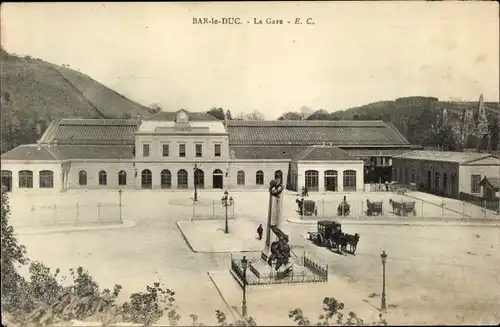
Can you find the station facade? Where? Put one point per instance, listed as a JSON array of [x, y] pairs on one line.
[[181, 150]]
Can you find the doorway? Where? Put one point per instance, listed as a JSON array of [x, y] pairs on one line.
[[217, 179], [7, 180], [331, 183]]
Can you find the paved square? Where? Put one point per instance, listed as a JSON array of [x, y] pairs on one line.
[[209, 236]]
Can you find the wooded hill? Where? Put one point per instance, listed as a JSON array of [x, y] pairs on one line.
[[34, 92]]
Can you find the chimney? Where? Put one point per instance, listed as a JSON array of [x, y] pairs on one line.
[[39, 147], [138, 116], [55, 142]]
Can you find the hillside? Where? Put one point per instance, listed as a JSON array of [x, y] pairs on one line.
[[402, 112], [33, 92]]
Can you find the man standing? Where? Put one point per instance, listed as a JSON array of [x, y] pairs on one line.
[[260, 230]]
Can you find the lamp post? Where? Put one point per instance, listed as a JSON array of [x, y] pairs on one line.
[[227, 202], [383, 305], [120, 204], [244, 265], [195, 168]]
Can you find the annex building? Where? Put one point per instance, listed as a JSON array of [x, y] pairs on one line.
[[178, 150], [446, 173]]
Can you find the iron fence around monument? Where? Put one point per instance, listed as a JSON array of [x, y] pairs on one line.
[[317, 273], [214, 210]]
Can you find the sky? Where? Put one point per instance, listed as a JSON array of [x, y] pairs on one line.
[[355, 53]]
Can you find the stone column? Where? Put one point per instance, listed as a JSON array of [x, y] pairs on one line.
[[274, 215]]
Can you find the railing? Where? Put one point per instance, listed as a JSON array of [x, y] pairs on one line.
[[316, 268], [419, 205], [316, 274], [62, 214], [213, 210], [490, 204]]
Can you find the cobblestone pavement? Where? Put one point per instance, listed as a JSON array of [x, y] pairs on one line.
[[435, 274]]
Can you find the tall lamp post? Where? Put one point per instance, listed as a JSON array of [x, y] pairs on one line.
[[244, 265], [383, 305], [195, 169], [227, 202], [120, 204]]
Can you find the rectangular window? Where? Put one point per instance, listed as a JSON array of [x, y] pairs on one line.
[[145, 150], [217, 150], [413, 179], [437, 184], [182, 150], [199, 152], [474, 184], [165, 150]]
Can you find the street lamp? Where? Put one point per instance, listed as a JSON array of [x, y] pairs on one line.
[[120, 204], [195, 168], [244, 265], [383, 256], [227, 202]]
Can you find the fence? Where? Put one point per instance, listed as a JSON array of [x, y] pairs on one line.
[[61, 214], [316, 274], [490, 204], [213, 210], [405, 206]]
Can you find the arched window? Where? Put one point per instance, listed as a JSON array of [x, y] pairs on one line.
[[199, 178], [278, 175], [240, 178], [146, 179], [182, 179], [82, 177], [25, 179], [349, 180], [331, 180], [122, 178], [46, 179], [312, 180], [259, 177], [103, 178], [166, 178]]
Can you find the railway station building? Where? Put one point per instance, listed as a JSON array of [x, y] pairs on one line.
[[176, 150]]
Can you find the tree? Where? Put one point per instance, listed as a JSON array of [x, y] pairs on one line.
[[255, 115], [228, 115], [494, 133], [320, 114], [291, 115], [155, 108], [217, 113], [13, 254]]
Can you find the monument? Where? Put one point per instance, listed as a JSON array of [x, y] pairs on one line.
[[277, 262]]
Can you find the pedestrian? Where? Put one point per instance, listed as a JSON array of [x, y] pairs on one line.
[[260, 230], [306, 191], [386, 186]]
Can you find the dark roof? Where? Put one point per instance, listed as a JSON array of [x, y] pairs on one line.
[[446, 156], [290, 152], [66, 152], [494, 181], [91, 131], [320, 153], [362, 153], [262, 152], [311, 132], [172, 115], [96, 151], [31, 152]]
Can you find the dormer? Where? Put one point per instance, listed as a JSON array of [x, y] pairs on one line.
[[182, 116]]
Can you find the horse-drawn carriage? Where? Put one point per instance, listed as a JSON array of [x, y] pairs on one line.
[[403, 208], [307, 207], [329, 234], [373, 208]]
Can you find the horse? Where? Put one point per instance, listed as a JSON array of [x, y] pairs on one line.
[[353, 242]]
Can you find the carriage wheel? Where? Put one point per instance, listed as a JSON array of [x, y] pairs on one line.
[[320, 240]]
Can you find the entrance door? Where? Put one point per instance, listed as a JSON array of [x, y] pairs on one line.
[[331, 181], [217, 179], [7, 180]]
